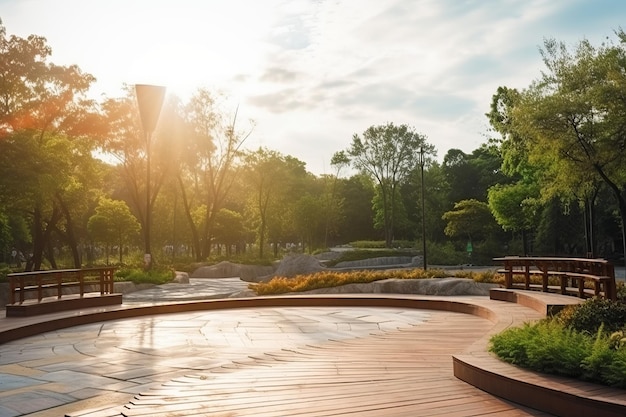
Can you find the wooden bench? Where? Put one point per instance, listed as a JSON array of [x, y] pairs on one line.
[[581, 277], [41, 292]]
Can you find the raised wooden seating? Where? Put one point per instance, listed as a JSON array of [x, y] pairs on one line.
[[580, 277], [40, 292]]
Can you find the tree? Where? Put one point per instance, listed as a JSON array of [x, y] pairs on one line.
[[387, 154], [471, 219], [515, 208], [208, 165], [113, 224], [272, 180], [358, 224], [229, 229], [309, 219], [574, 118], [140, 158], [44, 118]]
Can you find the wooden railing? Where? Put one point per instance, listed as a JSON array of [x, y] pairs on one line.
[[57, 283], [569, 276]]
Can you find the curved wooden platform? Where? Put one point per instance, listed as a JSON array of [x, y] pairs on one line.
[[394, 373]]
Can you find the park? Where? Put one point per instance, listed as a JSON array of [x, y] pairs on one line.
[[152, 264]]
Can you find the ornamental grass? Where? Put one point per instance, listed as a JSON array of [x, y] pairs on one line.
[[327, 279]]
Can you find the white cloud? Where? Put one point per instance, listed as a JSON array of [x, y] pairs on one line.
[[314, 72]]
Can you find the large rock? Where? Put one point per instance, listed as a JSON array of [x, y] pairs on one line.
[[230, 270], [293, 265], [431, 286]]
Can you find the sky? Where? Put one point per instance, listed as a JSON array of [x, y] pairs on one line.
[[309, 74]]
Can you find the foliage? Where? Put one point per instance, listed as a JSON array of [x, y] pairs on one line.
[[489, 277], [584, 341], [469, 176], [571, 121], [374, 244], [594, 314], [113, 224], [5, 233], [157, 276], [544, 346], [357, 255], [326, 279], [469, 219], [4, 271], [445, 254], [387, 154], [621, 292]]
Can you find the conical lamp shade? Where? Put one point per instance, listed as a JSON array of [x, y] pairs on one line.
[[150, 100]]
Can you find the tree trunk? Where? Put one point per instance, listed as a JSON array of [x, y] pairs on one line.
[[70, 235], [621, 203], [195, 239]]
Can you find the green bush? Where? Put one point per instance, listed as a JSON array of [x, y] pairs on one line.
[[621, 292], [548, 346], [365, 244], [445, 254], [155, 276], [4, 271], [594, 314]]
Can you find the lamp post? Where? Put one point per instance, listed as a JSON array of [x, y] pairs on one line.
[[149, 100], [422, 161]]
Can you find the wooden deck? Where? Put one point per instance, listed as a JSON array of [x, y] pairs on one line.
[[406, 372], [411, 371]]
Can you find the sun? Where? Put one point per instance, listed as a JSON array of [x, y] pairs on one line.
[[181, 68]]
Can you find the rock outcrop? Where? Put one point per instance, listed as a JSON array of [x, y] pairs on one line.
[[230, 270]]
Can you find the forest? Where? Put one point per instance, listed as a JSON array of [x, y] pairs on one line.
[[81, 183]]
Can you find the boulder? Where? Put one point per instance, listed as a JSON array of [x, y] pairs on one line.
[[230, 270], [293, 265], [429, 286]]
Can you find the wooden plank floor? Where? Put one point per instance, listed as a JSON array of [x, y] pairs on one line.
[[405, 372]]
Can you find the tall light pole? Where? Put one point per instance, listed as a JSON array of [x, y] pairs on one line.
[[149, 100], [422, 162]]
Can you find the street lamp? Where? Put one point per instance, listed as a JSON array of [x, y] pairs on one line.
[[422, 161], [149, 100]]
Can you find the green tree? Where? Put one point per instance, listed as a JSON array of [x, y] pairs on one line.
[[113, 224], [208, 164], [229, 229], [358, 216], [515, 208], [573, 117], [273, 183], [45, 118], [471, 219], [309, 220], [387, 154]]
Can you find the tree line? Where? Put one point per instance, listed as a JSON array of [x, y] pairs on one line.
[[550, 180]]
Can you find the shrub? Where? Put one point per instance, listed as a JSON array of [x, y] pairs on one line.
[[4, 271], [490, 276], [548, 346], [621, 292], [362, 244], [326, 279], [594, 314], [445, 254], [138, 276], [545, 346]]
